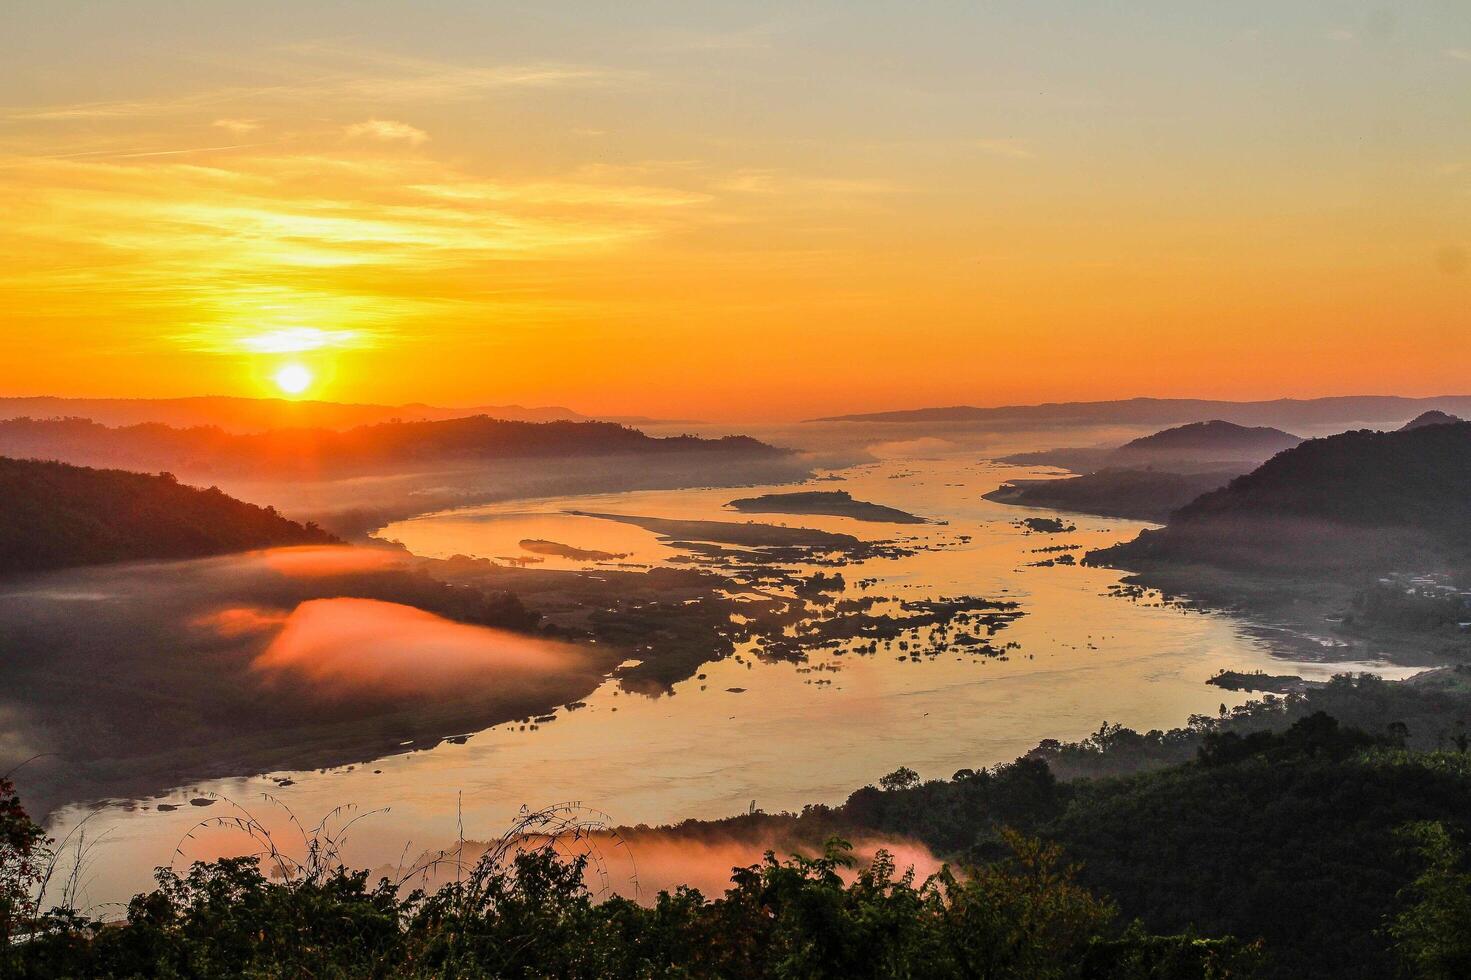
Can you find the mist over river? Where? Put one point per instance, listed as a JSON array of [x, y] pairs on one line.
[[746, 730]]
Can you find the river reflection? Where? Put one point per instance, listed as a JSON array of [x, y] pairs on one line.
[[747, 731]]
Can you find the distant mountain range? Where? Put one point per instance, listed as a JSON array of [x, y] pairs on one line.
[[260, 414], [1348, 410], [59, 516], [319, 452]]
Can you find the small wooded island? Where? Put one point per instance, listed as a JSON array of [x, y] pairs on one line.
[[538, 546], [834, 503]]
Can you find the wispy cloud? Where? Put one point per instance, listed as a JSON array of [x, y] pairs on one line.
[[240, 126], [330, 73], [140, 154], [762, 181], [295, 340], [564, 192], [1005, 146], [1458, 54], [273, 252], [386, 130]]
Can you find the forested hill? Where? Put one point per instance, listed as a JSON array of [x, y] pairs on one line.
[[1417, 478], [1215, 437], [1366, 498], [1430, 418], [388, 445], [58, 516]]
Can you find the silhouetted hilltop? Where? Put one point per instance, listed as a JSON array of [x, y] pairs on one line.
[[1356, 501], [1345, 410], [58, 516], [260, 414], [1429, 418], [318, 452], [1214, 447], [1420, 478], [1217, 436]]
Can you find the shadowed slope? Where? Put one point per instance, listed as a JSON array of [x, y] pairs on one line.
[[58, 516], [1360, 500]]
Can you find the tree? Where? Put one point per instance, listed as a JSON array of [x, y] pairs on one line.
[[1025, 916], [24, 857], [901, 778], [1432, 934]]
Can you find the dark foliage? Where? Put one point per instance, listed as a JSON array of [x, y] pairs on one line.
[[1432, 931], [22, 863], [57, 516], [527, 913], [1288, 835], [1318, 736], [1417, 478], [1299, 852]]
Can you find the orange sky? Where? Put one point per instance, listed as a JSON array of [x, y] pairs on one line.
[[735, 211]]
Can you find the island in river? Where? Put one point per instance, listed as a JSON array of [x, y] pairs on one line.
[[836, 503], [538, 546], [750, 534]]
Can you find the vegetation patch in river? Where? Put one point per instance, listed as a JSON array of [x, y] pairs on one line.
[[556, 549], [838, 503]]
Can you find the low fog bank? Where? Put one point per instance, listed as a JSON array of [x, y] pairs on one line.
[[361, 651], [639, 863], [994, 437], [832, 445], [128, 679], [667, 858], [354, 508]]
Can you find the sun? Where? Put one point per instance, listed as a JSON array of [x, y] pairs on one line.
[[293, 379]]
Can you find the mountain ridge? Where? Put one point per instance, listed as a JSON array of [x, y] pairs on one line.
[[242, 414], [1336, 409], [311, 451]]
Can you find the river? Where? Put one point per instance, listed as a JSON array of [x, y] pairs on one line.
[[776, 735]]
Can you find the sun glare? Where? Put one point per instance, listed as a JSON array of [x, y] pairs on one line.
[[293, 379]]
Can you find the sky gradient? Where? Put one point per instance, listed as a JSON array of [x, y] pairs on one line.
[[735, 211]]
